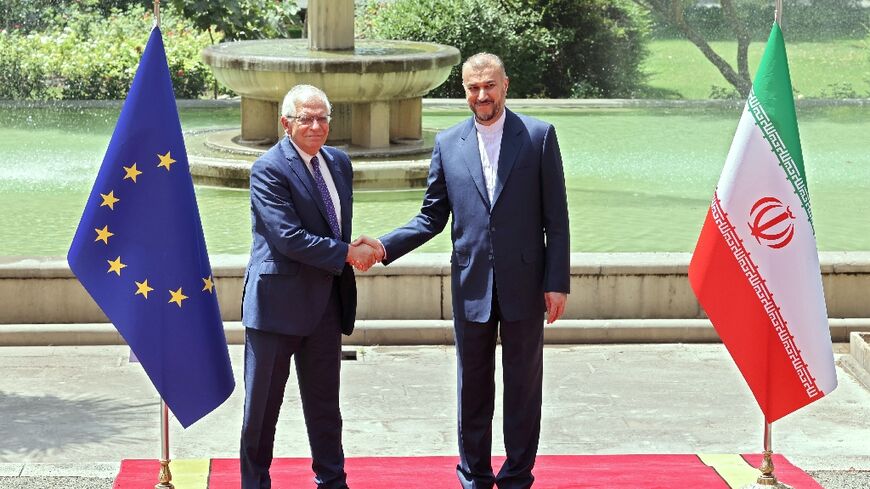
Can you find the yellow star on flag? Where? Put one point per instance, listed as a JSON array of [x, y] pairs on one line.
[[143, 288], [177, 296], [209, 284], [116, 266], [132, 172], [109, 199], [165, 160], [103, 234]]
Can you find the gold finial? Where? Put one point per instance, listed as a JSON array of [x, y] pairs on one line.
[[156, 13]]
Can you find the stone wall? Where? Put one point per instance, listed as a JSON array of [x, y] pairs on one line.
[[603, 286]]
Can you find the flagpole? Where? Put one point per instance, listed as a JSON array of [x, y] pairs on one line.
[[165, 476], [767, 478]]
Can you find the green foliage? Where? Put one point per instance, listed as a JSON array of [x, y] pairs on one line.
[[236, 19], [471, 26], [840, 90], [802, 21], [601, 46], [552, 48], [91, 57], [244, 19], [36, 15], [21, 76], [724, 93]]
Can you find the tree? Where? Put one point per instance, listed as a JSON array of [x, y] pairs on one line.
[[600, 46], [552, 48], [673, 12]]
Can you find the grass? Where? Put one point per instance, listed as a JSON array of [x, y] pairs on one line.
[[822, 69]]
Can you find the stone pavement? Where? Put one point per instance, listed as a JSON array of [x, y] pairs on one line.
[[71, 413]]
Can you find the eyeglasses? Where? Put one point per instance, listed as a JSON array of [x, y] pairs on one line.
[[307, 120]]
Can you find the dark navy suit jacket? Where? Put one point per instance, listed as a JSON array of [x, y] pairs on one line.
[[519, 242], [294, 259]]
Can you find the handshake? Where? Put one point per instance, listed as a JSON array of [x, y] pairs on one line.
[[364, 252]]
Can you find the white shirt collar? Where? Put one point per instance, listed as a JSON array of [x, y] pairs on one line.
[[306, 158], [494, 128]]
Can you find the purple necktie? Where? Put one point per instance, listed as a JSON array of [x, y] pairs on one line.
[[324, 195]]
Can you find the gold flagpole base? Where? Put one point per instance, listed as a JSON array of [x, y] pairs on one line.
[[764, 483], [165, 476], [767, 480]]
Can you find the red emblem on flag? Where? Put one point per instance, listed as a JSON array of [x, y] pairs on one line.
[[772, 222]]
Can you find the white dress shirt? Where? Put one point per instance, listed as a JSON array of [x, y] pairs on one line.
[[489, 145], [327, 177]]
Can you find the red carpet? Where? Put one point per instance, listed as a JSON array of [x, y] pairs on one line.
[[551, 472]]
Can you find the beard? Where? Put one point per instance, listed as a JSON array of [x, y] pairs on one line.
[[486, 112]]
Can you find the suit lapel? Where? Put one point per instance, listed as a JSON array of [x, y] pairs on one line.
[[511, 144], [471, 154], [304, 176]]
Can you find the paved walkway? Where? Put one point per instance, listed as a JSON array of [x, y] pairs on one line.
[[75, 411]]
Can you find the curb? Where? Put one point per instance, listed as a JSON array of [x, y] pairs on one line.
[[857, 362], [428, 332], [95, 470]]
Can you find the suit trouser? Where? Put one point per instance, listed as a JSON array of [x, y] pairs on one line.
[[267, 368], [522, 364]]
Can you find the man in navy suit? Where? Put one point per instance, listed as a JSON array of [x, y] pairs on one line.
[[300, 291], [500, 175]]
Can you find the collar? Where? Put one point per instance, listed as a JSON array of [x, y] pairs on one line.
[[306, 158]]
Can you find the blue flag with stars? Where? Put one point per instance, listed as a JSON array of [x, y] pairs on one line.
[[140, 253]]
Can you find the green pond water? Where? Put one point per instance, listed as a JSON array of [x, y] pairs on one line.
[[638, 179]]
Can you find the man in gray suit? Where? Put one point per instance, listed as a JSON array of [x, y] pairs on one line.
[[300, 291], [500, 175]]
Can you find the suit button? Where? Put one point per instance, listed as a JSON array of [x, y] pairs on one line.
[[490, 257], [492, 228]]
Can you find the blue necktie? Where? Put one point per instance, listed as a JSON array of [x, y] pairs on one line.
[[324, 195]]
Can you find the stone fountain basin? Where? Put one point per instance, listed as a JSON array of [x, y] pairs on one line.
[[375, 70]]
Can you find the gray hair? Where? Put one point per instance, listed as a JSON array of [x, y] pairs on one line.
[[301, 94], [483, 60]]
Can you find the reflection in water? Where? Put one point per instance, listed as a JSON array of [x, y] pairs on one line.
[[638, 179]]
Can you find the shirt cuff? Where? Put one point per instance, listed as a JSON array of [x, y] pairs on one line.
[[383, 249]]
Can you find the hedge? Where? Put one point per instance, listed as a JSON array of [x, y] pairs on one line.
[[92, 57]]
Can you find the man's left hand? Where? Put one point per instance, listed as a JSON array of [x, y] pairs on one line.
[[555, 305]]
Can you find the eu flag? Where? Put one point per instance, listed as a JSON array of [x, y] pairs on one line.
[[140, 253]]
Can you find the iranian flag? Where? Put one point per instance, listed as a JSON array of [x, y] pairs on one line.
[[755, 269]]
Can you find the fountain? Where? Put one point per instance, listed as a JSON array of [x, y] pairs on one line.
[[376, 87]]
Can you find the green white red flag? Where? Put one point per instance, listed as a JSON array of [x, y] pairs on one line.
[[755, 269]]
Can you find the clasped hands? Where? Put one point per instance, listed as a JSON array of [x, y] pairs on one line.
[[364, 252]]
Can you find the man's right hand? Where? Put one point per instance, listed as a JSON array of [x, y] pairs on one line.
[[361, 256], [380, 252]]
